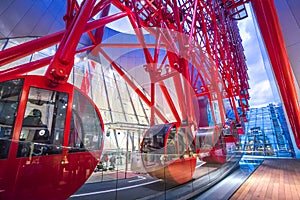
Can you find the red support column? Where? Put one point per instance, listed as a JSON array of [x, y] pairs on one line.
[[63, 60]]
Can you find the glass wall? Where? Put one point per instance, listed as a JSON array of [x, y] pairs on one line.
[[125, 172], [122, 165], [267, 133]]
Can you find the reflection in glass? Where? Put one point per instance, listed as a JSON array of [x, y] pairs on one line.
[[85, 130], [43, 123], [10, 92]]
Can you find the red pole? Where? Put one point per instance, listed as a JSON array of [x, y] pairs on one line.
[[63, 60], [132, 85], [25, 49], [31, 66], [169, 100], [152, 105]]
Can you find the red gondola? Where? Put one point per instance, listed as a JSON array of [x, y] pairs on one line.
[[240, 129], [50, 139], [230, 132], [210, 145], [167, 153]]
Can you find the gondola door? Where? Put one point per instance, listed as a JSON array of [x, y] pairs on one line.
[[50, 139]]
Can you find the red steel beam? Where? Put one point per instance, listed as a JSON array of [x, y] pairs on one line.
[[24, 68], [152, 105], [63, 60], [25, 49], [69, 12], [31, 66], [199, 20], [132, 85], [169, 100], [268, 22], [136, 23]]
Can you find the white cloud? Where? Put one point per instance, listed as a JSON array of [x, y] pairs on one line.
[[261, 94], [243, 29], [260, 89]]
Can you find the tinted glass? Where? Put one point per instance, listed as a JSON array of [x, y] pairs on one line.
[[86, 128], [43, 123], [10, 92]]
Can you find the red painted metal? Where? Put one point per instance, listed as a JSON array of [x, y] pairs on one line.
[[169, 100], [22, 50], [63, 60], [202, 35], [236, 8], [270, 28], [132, 85], [71, 4], [181, 96], [183, 29], [25, 49], [152, 105], [213, 19], [25, 68], [208, 24], [100, 31], [28, 67], [51, 176]]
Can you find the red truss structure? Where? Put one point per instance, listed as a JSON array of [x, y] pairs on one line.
[[202, 56], [209, 25]]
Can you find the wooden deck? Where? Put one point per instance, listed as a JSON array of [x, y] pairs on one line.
[[274, 179]]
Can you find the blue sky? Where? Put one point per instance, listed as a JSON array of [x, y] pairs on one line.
[[262, 91]]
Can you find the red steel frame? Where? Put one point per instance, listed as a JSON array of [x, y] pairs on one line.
[[207, 24], [202, 21]]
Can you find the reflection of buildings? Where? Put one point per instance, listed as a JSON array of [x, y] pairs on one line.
[[267, 133]]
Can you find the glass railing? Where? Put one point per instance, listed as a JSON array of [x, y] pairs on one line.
[[153, 176]]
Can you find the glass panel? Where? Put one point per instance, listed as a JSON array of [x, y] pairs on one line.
[[2, 43], [154, 139], [186, 142], [86, 129], [171, 148], [44, 122], [10, 92]]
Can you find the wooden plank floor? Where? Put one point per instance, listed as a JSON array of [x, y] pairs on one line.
[[274, 179]]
